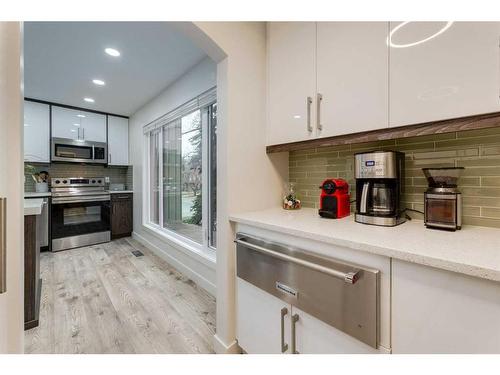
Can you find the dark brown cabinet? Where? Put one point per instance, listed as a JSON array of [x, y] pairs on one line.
[[32, 281], [121, 215]]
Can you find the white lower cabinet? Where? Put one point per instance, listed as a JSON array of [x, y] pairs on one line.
[[265, 325], [313, 336], [436, 311], [259, 320]]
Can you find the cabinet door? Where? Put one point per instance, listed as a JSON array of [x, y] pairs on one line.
[[121, 215], [436, 311], [258, 317], [94, 127], [454, 74], [352, 77], [117, 140], [36, 132], [67, 123], [313, 336], [291, 80]]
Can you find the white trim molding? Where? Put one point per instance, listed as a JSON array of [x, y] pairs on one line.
[[222, 348]]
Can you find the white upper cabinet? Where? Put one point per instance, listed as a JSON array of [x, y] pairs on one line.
[[66, 123], [78, 124], [94, 127], [453, 74], [36, 132], [117, 140], [352, 77], [291, 81]]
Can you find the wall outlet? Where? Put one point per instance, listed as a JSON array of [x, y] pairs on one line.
[[106, 179]]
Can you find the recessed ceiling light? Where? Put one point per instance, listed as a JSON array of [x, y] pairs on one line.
[[112, 52], [89, 100], [98, 82], [81, 116]]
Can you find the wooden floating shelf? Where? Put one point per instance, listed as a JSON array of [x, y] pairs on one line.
[[489, 120]]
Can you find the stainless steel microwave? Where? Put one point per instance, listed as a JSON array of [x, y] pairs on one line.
[[79, 151]]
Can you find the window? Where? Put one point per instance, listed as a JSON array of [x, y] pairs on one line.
[[182, 170]]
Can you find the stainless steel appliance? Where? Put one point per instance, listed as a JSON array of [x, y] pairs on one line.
[[379, 186], [443, 200], [80, 212], [78, 151], [343, 295], [44, 225]]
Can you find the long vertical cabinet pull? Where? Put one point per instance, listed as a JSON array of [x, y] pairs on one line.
[[319, 98], [3, 245], [284, 346], [295, 319], [309, 124]]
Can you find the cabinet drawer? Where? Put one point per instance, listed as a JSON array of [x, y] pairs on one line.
[[121, 197], [342, 295]]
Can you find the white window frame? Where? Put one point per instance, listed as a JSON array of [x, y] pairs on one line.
[[204, 249]]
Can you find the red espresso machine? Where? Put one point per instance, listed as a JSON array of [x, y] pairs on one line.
[[335, 199]]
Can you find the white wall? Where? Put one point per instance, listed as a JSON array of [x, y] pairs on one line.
[[11, 165], [199, 79]]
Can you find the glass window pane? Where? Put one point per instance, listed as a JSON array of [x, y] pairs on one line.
[[154, 182], [182, 176], [212, 130]]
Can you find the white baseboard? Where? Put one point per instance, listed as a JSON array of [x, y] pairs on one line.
[[222, 348], [177, 264]]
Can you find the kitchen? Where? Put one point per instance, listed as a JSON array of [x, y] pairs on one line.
[[366, 219], [77, 111]]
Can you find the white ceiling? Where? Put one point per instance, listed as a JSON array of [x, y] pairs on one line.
[[62, 58]]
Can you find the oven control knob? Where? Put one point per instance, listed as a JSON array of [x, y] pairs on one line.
[[65, 181], [93, 181], [58, 181], [99, 181]]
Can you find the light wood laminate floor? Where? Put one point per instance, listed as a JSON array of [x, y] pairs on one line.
[[103, 299]]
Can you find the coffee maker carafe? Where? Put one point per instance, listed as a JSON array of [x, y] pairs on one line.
[[379, 186]]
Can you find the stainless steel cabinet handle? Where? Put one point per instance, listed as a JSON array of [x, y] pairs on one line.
[[3, 245], [83, 132], [319, 98], [284, 346], [348, 277], [78, 133], [109, 161], [309, 103], [295, 319]]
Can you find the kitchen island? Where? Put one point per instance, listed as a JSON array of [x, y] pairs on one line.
[[439, 291]]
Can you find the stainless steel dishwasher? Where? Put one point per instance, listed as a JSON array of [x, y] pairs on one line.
[[343, 295]]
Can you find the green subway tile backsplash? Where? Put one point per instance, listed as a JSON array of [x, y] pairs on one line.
[[117, 175], [476, 150]]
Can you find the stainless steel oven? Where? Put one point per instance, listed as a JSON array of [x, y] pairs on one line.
[[71, 150], [80, 212]]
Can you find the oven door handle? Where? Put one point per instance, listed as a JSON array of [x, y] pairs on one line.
[[80, 199]]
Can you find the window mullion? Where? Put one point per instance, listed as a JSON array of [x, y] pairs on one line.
[[160, 177]]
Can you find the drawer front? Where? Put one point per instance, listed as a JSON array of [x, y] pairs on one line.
[[349, 307], [119, 197]]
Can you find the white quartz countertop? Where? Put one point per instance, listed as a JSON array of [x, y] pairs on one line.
[[30, 194], [473, 251], [33, 206]]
